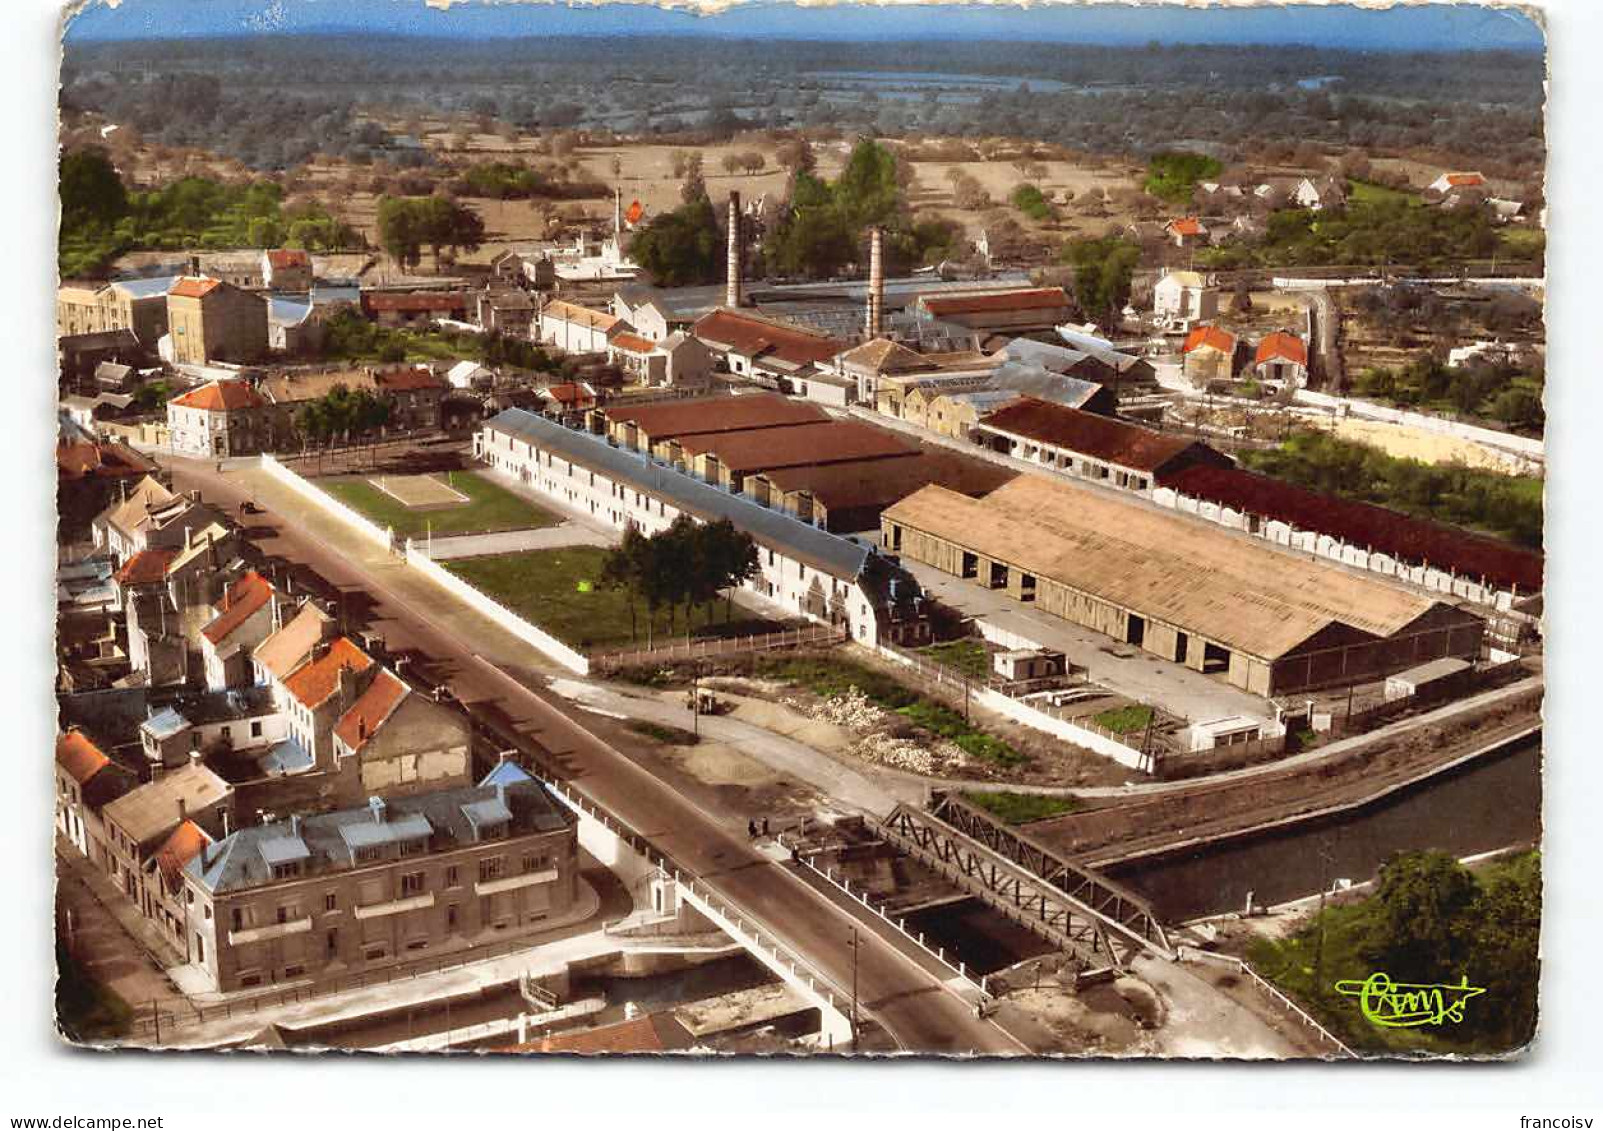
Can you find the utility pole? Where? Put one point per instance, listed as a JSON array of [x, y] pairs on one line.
[[855, 948]]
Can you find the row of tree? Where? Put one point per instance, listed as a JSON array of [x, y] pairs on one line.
[[341, 414], [689, 564]]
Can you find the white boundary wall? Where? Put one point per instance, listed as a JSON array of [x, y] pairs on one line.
[[500, 614], [383, 537], [1525, 446]]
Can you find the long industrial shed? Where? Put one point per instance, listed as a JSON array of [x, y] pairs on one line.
[[1268, 622]]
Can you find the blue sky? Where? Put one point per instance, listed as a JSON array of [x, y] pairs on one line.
[[1442, 27]]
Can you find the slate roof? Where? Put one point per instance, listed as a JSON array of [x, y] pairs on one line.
[[238, 862], [1397, 535], [145, 288], [1101, 437], [820, 549]]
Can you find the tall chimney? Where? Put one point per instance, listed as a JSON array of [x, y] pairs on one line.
[[194, 266], [876, 282], [732, 297]]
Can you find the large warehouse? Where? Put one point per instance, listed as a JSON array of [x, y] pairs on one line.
[[1268, 622]]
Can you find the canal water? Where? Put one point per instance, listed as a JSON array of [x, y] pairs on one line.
[[973, 933], [1489, 804]]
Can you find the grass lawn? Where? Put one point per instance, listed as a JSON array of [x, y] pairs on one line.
[[1523, 241], [543, 587], [1364, 192], [1125, 720], [966, 656], [1021, 808], [493, 507]]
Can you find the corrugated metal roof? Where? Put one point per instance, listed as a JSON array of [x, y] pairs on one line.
[[792, 537]]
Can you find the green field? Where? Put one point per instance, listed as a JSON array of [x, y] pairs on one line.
[[492, 508], [967, 656], [1367, 192], [543, 587]]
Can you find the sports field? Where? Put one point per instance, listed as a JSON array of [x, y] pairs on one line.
[[458, 502]]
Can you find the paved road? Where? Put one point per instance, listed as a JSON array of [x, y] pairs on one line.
[[485, 666]]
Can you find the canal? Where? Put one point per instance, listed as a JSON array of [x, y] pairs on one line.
[[1489, 804]]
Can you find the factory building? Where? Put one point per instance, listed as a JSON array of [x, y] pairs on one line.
[[1265, 622]]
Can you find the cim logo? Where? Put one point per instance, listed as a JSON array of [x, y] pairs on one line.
[[1406, 1005]]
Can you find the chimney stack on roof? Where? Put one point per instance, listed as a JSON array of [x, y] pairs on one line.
[[194, 266], [183, 810], [733, 296], [196, 758], [294, 824], [876, 282]]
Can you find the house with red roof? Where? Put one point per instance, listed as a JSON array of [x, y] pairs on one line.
[[1209, 354], [210, 320], [287, 269], [244, 619], [1450, 182], [1282, 360], [394, 741], [220, 419], [1186, 231], [86, 781], [766, 350]]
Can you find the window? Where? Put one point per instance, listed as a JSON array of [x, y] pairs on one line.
[[331, 942], [412, 884], [287, 871], [368, 855], [256, 728], [536, 862], [451, 878], [490, 869], [237, 919], [200, 949], [414, 847], [294, 971], [374, 952], [450, 916], [207, 910], [418, 944], [331, 902], [289, 912]]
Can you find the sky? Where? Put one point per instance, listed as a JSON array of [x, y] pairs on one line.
[[1433, 27]]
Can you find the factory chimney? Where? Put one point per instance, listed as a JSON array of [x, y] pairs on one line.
[[732, 297], [876, 283]]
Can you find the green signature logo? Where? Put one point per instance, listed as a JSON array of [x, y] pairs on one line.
[[1404, 1005]]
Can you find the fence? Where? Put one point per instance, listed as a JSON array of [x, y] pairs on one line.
[[381, 536], [722, 646], [1300, 1015], [500, 614]]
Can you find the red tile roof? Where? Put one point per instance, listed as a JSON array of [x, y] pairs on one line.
[[243, 599], [79, 459], [370, 710], [221, 396], [146, 567], [313, 682], [409, 380], [79, 756], [1186, 226], [1465, 180], [1400, 536], [1211, 336], [288, 257], [668, 420], [1037, 298], [569, 393], [831, 441], [192, 287], [1281, 346], [759, 337], [634, 343], [415, 301], [1098, 436], [180, 848]]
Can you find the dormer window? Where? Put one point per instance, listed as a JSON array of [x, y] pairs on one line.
[[287, 871]]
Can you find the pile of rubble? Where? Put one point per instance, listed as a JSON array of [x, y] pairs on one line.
[[854, 711], [851, 710]]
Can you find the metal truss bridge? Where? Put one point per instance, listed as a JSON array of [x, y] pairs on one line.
[[1065, 903]]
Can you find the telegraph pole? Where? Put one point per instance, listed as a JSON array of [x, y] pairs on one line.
[[855, 946]]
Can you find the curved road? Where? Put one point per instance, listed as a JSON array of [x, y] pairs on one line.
[[901, 988]]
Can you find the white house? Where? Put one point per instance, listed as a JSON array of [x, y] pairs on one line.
[[469, 375], [578, 329], [1184, 296]]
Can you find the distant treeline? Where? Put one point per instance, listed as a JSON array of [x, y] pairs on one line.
[[274, 102]]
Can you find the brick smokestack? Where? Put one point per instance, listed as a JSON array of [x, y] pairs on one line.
[[876, 283], [732, 297]]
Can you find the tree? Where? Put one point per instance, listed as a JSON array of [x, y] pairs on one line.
[[682, 247], [1507, 918], [92, 194], [732, 163], [1103, 270], [1418, 905], [624, 567], [796, 156]]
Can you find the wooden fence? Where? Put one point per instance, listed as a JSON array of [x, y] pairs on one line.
[[711, 646]]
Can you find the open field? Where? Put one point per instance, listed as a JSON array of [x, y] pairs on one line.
[[489, 507], [543, 587]]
